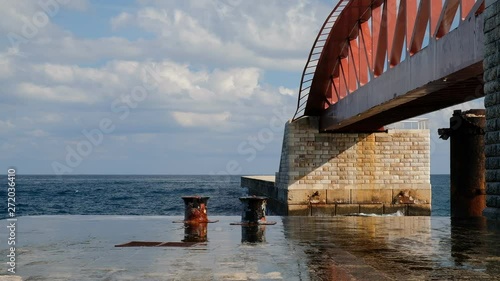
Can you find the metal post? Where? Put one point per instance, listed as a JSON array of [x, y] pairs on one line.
[[253, 234], [254, 209], [195, 209], [195, 232], [467, 169]]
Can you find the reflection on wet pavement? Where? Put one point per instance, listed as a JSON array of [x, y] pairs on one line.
[[195, 232], [253, 234], [296, 248], [399, 248]]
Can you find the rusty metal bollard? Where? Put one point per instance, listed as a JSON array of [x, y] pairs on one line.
[[253, 219], [195, 210], [254, 211], [195, 232]]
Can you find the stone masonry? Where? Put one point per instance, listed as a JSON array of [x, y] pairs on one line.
[[337, 174], [491, 65]]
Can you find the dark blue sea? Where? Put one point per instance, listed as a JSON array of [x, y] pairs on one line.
[[147, 194]]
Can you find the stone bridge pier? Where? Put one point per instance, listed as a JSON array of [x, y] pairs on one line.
[[491, 65], [346, 173]]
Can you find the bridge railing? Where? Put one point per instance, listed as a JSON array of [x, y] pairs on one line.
[[314, 56]]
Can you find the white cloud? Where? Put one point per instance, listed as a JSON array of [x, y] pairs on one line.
[[25, 21], [122, 20], [180, 86], [143, 138], [192, 119], [5, 125], [110, 74], [80, 50], [236, 83], [79, 5], [51, 118], [193, 32], [43, 118], [57, 94], [57, 73], [119, 139], [285, 91], [191, 95], [38, 133], [211, 60], [276, 35], [283, 30], [8, 147], [6, 70], [190, 89], [178, 77]]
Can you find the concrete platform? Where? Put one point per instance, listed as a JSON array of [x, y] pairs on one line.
[[296, 248], [264, 178]]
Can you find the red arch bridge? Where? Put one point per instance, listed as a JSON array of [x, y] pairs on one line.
[[375, 62]]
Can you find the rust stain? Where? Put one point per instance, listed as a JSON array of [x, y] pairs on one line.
[[195, 209]]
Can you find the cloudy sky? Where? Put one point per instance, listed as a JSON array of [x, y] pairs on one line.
[[156, 87]]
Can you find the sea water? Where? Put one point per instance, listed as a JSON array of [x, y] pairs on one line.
[[148, 194]]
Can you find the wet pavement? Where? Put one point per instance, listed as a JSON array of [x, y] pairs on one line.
[[296, 248]]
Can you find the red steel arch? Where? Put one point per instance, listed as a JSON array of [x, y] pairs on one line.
[[361, 39]]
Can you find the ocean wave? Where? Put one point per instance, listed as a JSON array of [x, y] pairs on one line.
[[396, 214]]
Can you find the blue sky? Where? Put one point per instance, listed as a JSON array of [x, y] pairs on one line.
[[156, 87]]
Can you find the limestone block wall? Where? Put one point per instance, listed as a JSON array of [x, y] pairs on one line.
[[322, 173], [491, 65]]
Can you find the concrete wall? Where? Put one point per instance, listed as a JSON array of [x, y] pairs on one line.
[[491, 64], [265, 186], [334, 174]]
